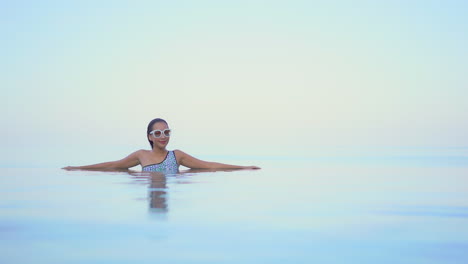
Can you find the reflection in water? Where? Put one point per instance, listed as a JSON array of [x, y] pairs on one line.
[[157, 185], [158, 193]]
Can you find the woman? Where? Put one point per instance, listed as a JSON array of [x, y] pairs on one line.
[[158, 159]]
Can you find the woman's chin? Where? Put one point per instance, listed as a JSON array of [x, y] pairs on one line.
[[162, 143]]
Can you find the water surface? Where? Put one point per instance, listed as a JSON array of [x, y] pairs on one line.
[[329, 210]]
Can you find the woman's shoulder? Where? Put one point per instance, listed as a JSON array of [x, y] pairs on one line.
[[178, 152], [141, 152]]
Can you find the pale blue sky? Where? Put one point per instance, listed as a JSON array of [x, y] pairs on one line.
[[249, 76]]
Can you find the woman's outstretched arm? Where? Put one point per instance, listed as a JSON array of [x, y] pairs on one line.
[[194, 163], [125, 163]]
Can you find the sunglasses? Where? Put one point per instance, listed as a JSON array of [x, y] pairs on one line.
[[158, 133]]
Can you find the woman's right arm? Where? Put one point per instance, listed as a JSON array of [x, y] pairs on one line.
[[125, 163]]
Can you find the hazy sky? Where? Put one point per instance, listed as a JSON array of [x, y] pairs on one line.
[[239, 77]]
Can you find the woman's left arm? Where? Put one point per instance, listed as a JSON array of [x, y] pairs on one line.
[[188, 161]]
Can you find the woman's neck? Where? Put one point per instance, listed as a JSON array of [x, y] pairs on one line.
[[157, 150]]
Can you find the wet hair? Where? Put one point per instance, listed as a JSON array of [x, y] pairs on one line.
[[150, 127]]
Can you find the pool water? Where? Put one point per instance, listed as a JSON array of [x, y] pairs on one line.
[[360, 210]]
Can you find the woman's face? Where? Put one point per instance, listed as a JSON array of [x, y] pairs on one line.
[[163, 140]]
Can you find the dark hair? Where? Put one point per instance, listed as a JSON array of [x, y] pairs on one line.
[[150, 127]]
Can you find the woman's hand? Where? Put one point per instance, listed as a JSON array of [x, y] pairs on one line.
[[69, 168], [251, 168]]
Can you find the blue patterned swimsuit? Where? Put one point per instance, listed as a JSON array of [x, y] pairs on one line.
[[168, 165]]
